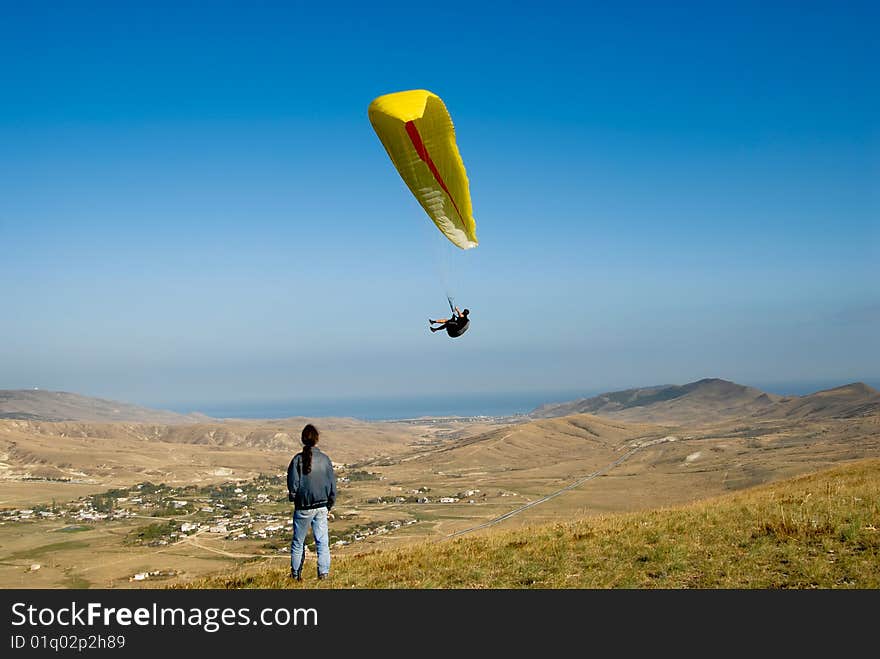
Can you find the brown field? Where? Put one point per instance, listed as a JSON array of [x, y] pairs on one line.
[[41, 461]]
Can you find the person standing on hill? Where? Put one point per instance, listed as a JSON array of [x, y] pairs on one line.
[[311, 486]]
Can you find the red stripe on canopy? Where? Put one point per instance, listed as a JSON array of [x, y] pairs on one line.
[[422, 150]]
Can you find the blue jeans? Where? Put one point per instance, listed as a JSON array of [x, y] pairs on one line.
[[317, 519]]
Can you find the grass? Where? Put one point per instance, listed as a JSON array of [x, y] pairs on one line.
[[47, 550], [76, 581], [816, 531]]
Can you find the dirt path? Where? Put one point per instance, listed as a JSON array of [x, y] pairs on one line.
[[637, 447]]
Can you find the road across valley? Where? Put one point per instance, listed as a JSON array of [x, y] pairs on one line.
[[571, 486]]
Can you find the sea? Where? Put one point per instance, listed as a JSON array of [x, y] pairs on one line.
[[385, 408], [390, 408]]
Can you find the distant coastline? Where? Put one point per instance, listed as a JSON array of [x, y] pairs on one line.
[[391, 408], [383, 409]]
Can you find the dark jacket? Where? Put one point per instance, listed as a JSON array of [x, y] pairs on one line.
[[457, 326], [315, 489]]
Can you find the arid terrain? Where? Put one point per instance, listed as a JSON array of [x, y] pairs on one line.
[[134, 504], [818, 530]]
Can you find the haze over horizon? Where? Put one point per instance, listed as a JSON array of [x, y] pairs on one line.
[[496, 404], [195, 208]]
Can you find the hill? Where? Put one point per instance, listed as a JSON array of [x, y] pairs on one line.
[[813, 531], [39, 405], [711, 400], [849, 401]]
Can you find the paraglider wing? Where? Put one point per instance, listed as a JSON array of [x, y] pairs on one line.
[[417, 132]]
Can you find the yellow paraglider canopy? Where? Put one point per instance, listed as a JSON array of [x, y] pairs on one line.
[[417, 132]]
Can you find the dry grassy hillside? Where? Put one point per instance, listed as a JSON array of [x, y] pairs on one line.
[[668, 465], [850, 401], [816, 531], [535, 445]]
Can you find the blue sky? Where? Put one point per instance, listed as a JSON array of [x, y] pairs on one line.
[[194, 207]]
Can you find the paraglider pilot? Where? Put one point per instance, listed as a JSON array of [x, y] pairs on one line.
[[455, 326]]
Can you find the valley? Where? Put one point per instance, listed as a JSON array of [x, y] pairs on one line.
[[124, 505]]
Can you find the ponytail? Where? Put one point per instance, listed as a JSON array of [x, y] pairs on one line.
[[309, 439]]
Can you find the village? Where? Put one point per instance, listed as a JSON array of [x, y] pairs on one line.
[[237, 511]]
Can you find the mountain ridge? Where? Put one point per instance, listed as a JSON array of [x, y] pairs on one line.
[[713, 399], [45, 405]]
